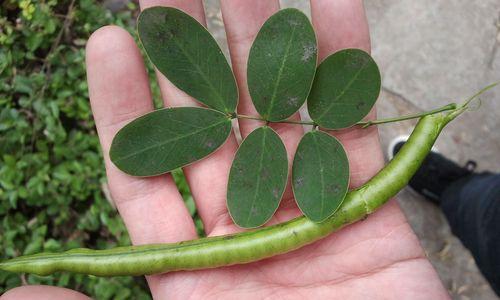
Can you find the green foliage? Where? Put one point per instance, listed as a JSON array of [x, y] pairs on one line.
[[51, 171], [281, 74], [257, 178], [320, 175], [281, 64], [345, 88], [170, 138], [185, 52]]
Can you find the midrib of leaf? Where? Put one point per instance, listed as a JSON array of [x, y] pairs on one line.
[[280, 72], [257, 187], [167, 155], [170, 141], [209, 83], [342, 92], [322, 179]]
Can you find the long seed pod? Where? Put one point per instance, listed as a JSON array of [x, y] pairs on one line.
[[247, 246]]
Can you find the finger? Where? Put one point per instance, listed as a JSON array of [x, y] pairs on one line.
[[342, 24], [151, 208], [242, 20], [42, 292], [208, 177]]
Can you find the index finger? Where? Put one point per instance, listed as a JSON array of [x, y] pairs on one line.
[[151, 208]]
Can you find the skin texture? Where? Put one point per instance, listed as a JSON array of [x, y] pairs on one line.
[[379, 258]]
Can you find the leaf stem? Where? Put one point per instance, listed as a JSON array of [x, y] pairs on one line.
[[298, 122], [457, 109], [365, 124], [282, 121], [248, 117]]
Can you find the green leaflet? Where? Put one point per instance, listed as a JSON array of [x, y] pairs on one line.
[[281, 64], [257, 178], [185, 52], [166, 139], [320, 175], [345, 88]]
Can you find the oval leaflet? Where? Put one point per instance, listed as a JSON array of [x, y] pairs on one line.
[[185, 52], [169, 138], [320, 175], [345, 88], [281, 64], [257, 178]]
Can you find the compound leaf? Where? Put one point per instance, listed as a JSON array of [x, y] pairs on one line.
[[345, 88], [257, 178], [169, 138], [281, 64], [185, 52], [320, 175]]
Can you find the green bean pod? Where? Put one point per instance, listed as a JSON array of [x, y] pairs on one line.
[[248, 246]]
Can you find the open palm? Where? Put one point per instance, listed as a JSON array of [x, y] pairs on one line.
[[376, 258]]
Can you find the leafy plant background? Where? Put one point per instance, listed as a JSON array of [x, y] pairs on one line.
[[52, 179]]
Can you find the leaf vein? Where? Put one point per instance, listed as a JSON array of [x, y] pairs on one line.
[[169, 141]]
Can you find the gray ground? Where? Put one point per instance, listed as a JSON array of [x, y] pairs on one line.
[[432, 52]]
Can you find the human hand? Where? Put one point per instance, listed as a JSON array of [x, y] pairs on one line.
[[377, 258]]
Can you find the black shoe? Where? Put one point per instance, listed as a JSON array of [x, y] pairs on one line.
[[435, 174]]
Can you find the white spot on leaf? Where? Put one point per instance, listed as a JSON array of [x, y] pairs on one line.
[[292, 101], [309, 52]]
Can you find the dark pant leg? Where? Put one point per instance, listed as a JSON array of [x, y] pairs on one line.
[[472, 207]]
